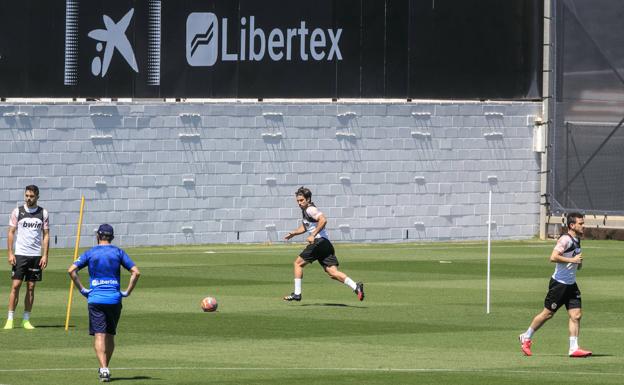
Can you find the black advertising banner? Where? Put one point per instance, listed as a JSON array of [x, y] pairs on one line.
[[475, 49]]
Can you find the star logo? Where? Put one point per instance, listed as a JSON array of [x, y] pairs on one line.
[[114, 38]]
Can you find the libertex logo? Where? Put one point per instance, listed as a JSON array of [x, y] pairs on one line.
[[203, 48]]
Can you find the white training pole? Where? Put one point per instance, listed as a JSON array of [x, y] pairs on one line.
[[489, 253]]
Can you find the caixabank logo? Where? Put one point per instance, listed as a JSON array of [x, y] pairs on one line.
[[109, 40], [207, 42]]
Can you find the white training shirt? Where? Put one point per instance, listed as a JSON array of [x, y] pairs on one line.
[[30, 225], [569, 247], [310, 225]]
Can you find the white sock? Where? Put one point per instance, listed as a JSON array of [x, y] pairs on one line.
[[349, 282], [573, 344], [298, 286], [529, 333], [26, 316], [10, 316]]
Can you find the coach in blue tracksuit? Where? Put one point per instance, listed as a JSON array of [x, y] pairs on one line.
[[104, 295]]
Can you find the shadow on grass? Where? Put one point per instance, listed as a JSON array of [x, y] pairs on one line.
[[133, 378], [594, 355], [335, 305], [54, 326]]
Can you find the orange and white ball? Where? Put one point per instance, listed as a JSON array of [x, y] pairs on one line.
[[209, 304]]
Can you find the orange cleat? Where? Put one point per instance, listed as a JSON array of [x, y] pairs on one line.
[[580, 353], [525, 345]]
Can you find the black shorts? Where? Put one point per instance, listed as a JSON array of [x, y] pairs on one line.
[[321, 250], [562, 294], [103, 318], [27, 268]]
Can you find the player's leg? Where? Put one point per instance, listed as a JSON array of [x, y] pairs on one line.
[[29, 299], [113, 313], [574, 323], [305, 257], [19, 273], [555, 297], [98, 328], [327, 258], [538, 321], [338, 275], [298, 266], [334, 273], [99, 345], [573, 304], [32, 275], [16, 284], [329, 261], [109, 348], [106, 338]]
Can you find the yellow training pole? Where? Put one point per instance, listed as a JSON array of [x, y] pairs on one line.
[[71, 285]]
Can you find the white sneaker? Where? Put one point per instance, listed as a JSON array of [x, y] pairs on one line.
[[104, 374]]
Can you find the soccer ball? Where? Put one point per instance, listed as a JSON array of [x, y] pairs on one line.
[[209, 304]]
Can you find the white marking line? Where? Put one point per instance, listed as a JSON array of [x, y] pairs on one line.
[[364, 248], [379, 370]]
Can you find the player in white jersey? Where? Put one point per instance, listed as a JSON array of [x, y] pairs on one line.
[[29, 230], [563, 289], [319, 247]]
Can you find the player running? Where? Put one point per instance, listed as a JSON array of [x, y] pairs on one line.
[[29, 228], [562, 289], [104, 295], [319, 247]]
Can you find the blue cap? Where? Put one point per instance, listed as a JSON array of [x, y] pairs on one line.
[[105, 229]]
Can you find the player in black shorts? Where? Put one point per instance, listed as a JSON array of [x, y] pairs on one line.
[[562, 288], [319, 247], [27, 248]]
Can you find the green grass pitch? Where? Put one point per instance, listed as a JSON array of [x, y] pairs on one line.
[[423, 320]]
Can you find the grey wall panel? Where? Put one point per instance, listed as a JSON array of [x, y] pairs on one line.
[[226, 172]]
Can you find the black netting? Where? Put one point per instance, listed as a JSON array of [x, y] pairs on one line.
[[587, 110]]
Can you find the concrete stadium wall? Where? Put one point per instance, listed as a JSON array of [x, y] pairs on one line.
[[186, 173]]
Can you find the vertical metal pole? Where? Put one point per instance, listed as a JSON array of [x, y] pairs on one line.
[[489, 254], [567, 165], [547, 102]]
